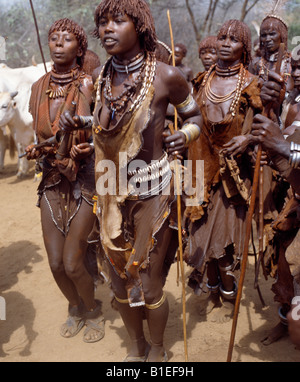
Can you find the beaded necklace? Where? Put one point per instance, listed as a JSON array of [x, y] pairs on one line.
[[60, 82], [235, 94], [145, 78], [263, 66]]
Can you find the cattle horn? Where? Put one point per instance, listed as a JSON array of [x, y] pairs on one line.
[[13, 94]]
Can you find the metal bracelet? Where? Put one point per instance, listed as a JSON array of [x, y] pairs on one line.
[[294, 159], [187, 105], [191, 131], [282, 317], [86, 121], [229, 295], [213, 288]]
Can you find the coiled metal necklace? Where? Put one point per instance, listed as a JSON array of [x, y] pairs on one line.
[[235, 94], [144, 77]]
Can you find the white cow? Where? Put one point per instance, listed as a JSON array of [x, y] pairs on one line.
[[20, 130], [18, 82]]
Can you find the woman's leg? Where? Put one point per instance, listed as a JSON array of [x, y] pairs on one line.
[[132, 317], [54, 242], [74, 253], [157, 307]]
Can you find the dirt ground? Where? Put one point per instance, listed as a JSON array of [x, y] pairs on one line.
[[35, 308]]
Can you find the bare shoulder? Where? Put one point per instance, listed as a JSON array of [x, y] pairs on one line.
[[173, 81], [251, 78], [96, 73], [169, 73], [87, 86]]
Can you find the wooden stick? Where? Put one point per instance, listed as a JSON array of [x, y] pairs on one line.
[[38, 34], [245, 253], [179, 208], [266, 112]]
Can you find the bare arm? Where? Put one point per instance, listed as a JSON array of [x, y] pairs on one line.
[[179, 95]]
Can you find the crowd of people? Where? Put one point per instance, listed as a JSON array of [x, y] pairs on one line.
[[91, 124]]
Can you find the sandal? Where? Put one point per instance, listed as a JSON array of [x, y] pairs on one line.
[[94, 324], [141, 358], [74, 322]]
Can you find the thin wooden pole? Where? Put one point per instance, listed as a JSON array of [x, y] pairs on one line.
[[38, 34], [179, 209], [256, 178], [245, 253]]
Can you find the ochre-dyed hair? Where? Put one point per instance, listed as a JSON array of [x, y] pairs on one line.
[[241, 31], [278, 25], [208, 42], [182, 47], [138, 11], [163, 52], [72, 27], [91, 62]]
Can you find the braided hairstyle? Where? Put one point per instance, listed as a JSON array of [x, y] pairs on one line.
[[70, 26], [208, 42], [241, 31], [279, 25], [138, 11]]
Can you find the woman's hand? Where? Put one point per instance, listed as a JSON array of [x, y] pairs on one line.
[[32, 152], [237, 145], [264, 159], [81, 151], [273, 91], [174, 143], [68, 123], [268, 133]]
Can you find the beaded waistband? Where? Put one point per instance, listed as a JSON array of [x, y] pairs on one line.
[[151, 179]]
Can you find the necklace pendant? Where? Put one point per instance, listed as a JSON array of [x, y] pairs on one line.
[[113, 113]]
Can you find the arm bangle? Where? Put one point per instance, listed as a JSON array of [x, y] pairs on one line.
[[191, 132], [86, 121], [294, 160], [187, 105]]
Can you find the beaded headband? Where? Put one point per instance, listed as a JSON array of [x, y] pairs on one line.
[[273, 16]]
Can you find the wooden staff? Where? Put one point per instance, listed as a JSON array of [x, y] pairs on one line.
[[38, 35], [179, 207], [256, 176], [266, 113]]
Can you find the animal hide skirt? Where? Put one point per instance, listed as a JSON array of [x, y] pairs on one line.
[[222, 225]]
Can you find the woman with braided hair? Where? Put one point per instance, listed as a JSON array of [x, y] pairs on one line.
[[208, 52], [228, 96], [67, 186], [273, 31], [133, 93]]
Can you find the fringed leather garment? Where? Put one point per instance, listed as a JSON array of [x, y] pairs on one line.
[[219, 222], [127, 227], [64, 182]]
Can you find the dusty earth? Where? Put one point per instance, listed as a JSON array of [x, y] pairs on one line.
[[35, 308]]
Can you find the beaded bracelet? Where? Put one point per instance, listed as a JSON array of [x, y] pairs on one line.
[[191, 132], [294, 160]]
